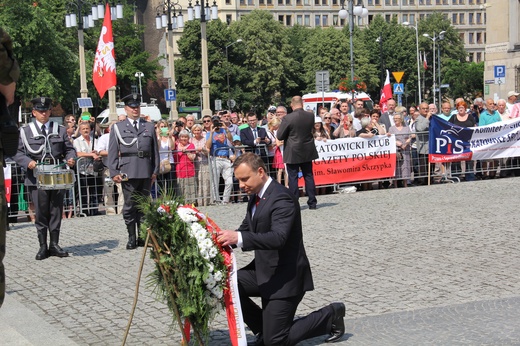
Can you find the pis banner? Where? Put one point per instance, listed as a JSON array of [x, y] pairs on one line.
[[354, 159], [450, 143]]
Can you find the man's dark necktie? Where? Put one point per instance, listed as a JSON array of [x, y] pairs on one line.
[[43, 131], [257, 200], [135, 125]]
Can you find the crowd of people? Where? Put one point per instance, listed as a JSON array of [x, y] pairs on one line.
[[196, 156]]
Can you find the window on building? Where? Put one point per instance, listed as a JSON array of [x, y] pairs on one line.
[[444, 2], [307, 2], [316, 2], [428, 2], [405, 2], [229, 18], [324, 2], [298, 2], [317, 19], [388, 18], [422, 16], [412, 18], [307, 20], [325, 20], [387, 2], [242, 2], [461, 2], [485, 37], [479, 57], [462, 19], [251, 2], [470, 57], [462, 37], [342, 22], [412, 2], [280, 19], [228, 2], [471, 19], [378, 2], [288, 20], [370, 2], [454, 17], [438, 2], [280, 2], [455, 2], [261, 2], [335, 20], [394, 3], [479, 18], [405, 17], [470, 38], [471, 2], [334, 2], [288, 2], [299, 19], [479, 37], [269, 2]]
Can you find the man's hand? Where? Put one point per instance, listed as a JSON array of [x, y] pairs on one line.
[[71, 162], [227, 237], [31, 165], [117, 178]]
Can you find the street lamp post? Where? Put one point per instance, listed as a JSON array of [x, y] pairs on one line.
[[140, 75], [204, 13], [171, 20], [434, 39], [380, 41], [418, 58], [358, 10], [78, 16], [227, 70]]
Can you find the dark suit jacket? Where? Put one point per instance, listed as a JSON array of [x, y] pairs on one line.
[[296, 132], [385, 120], [275, 234], [247, 138]]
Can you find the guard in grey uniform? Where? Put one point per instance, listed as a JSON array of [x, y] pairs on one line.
[[44, 142], [133, 161]]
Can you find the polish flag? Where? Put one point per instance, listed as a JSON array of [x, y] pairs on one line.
[[386, 93], [425, 64], [104, 72]]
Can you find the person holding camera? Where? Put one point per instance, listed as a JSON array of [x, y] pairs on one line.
[[219, 141], [133, 159]]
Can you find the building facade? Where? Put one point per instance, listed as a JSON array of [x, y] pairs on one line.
[[502, 49], [467, 16]]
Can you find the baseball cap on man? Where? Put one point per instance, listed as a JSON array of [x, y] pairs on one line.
[[512, 93], [132, 100], [41, 103]]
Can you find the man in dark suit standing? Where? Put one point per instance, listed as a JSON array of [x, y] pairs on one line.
[[280, 273], [299, 148], [255, 137], [133, 159]]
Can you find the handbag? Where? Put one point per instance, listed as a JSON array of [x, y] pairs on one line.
[[98, 166], [165, 166], [398, 155]]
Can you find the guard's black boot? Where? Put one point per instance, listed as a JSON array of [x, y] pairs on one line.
[[43, 253], [140, 240], [131, 237], [54, 248]]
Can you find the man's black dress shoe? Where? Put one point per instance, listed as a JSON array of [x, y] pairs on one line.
[[338, 325], [312, 207], [259, 340]]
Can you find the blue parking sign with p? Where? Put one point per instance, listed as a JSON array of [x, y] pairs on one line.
[[500, 71], [170, 94]]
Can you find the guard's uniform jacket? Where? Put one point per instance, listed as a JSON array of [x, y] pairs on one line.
[[135, 153], [60, 145]]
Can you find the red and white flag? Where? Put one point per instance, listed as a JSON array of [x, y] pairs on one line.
[[386, 93], [104, 72], [425, 64]]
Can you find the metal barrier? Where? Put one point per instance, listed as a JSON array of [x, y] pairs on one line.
[[210, 181]]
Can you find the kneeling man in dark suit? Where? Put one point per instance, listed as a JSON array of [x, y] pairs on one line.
[[280, 273]]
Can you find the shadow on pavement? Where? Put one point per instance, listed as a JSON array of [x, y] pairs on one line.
[[93, 249]]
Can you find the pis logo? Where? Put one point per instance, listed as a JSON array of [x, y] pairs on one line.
[[448, 145]]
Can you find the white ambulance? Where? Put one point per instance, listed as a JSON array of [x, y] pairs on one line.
[[312, 102]]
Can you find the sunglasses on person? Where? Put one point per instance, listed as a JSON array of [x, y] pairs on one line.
[[206, 121], [326, 118]]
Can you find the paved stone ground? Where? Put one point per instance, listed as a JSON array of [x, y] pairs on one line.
[[436, 265]]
